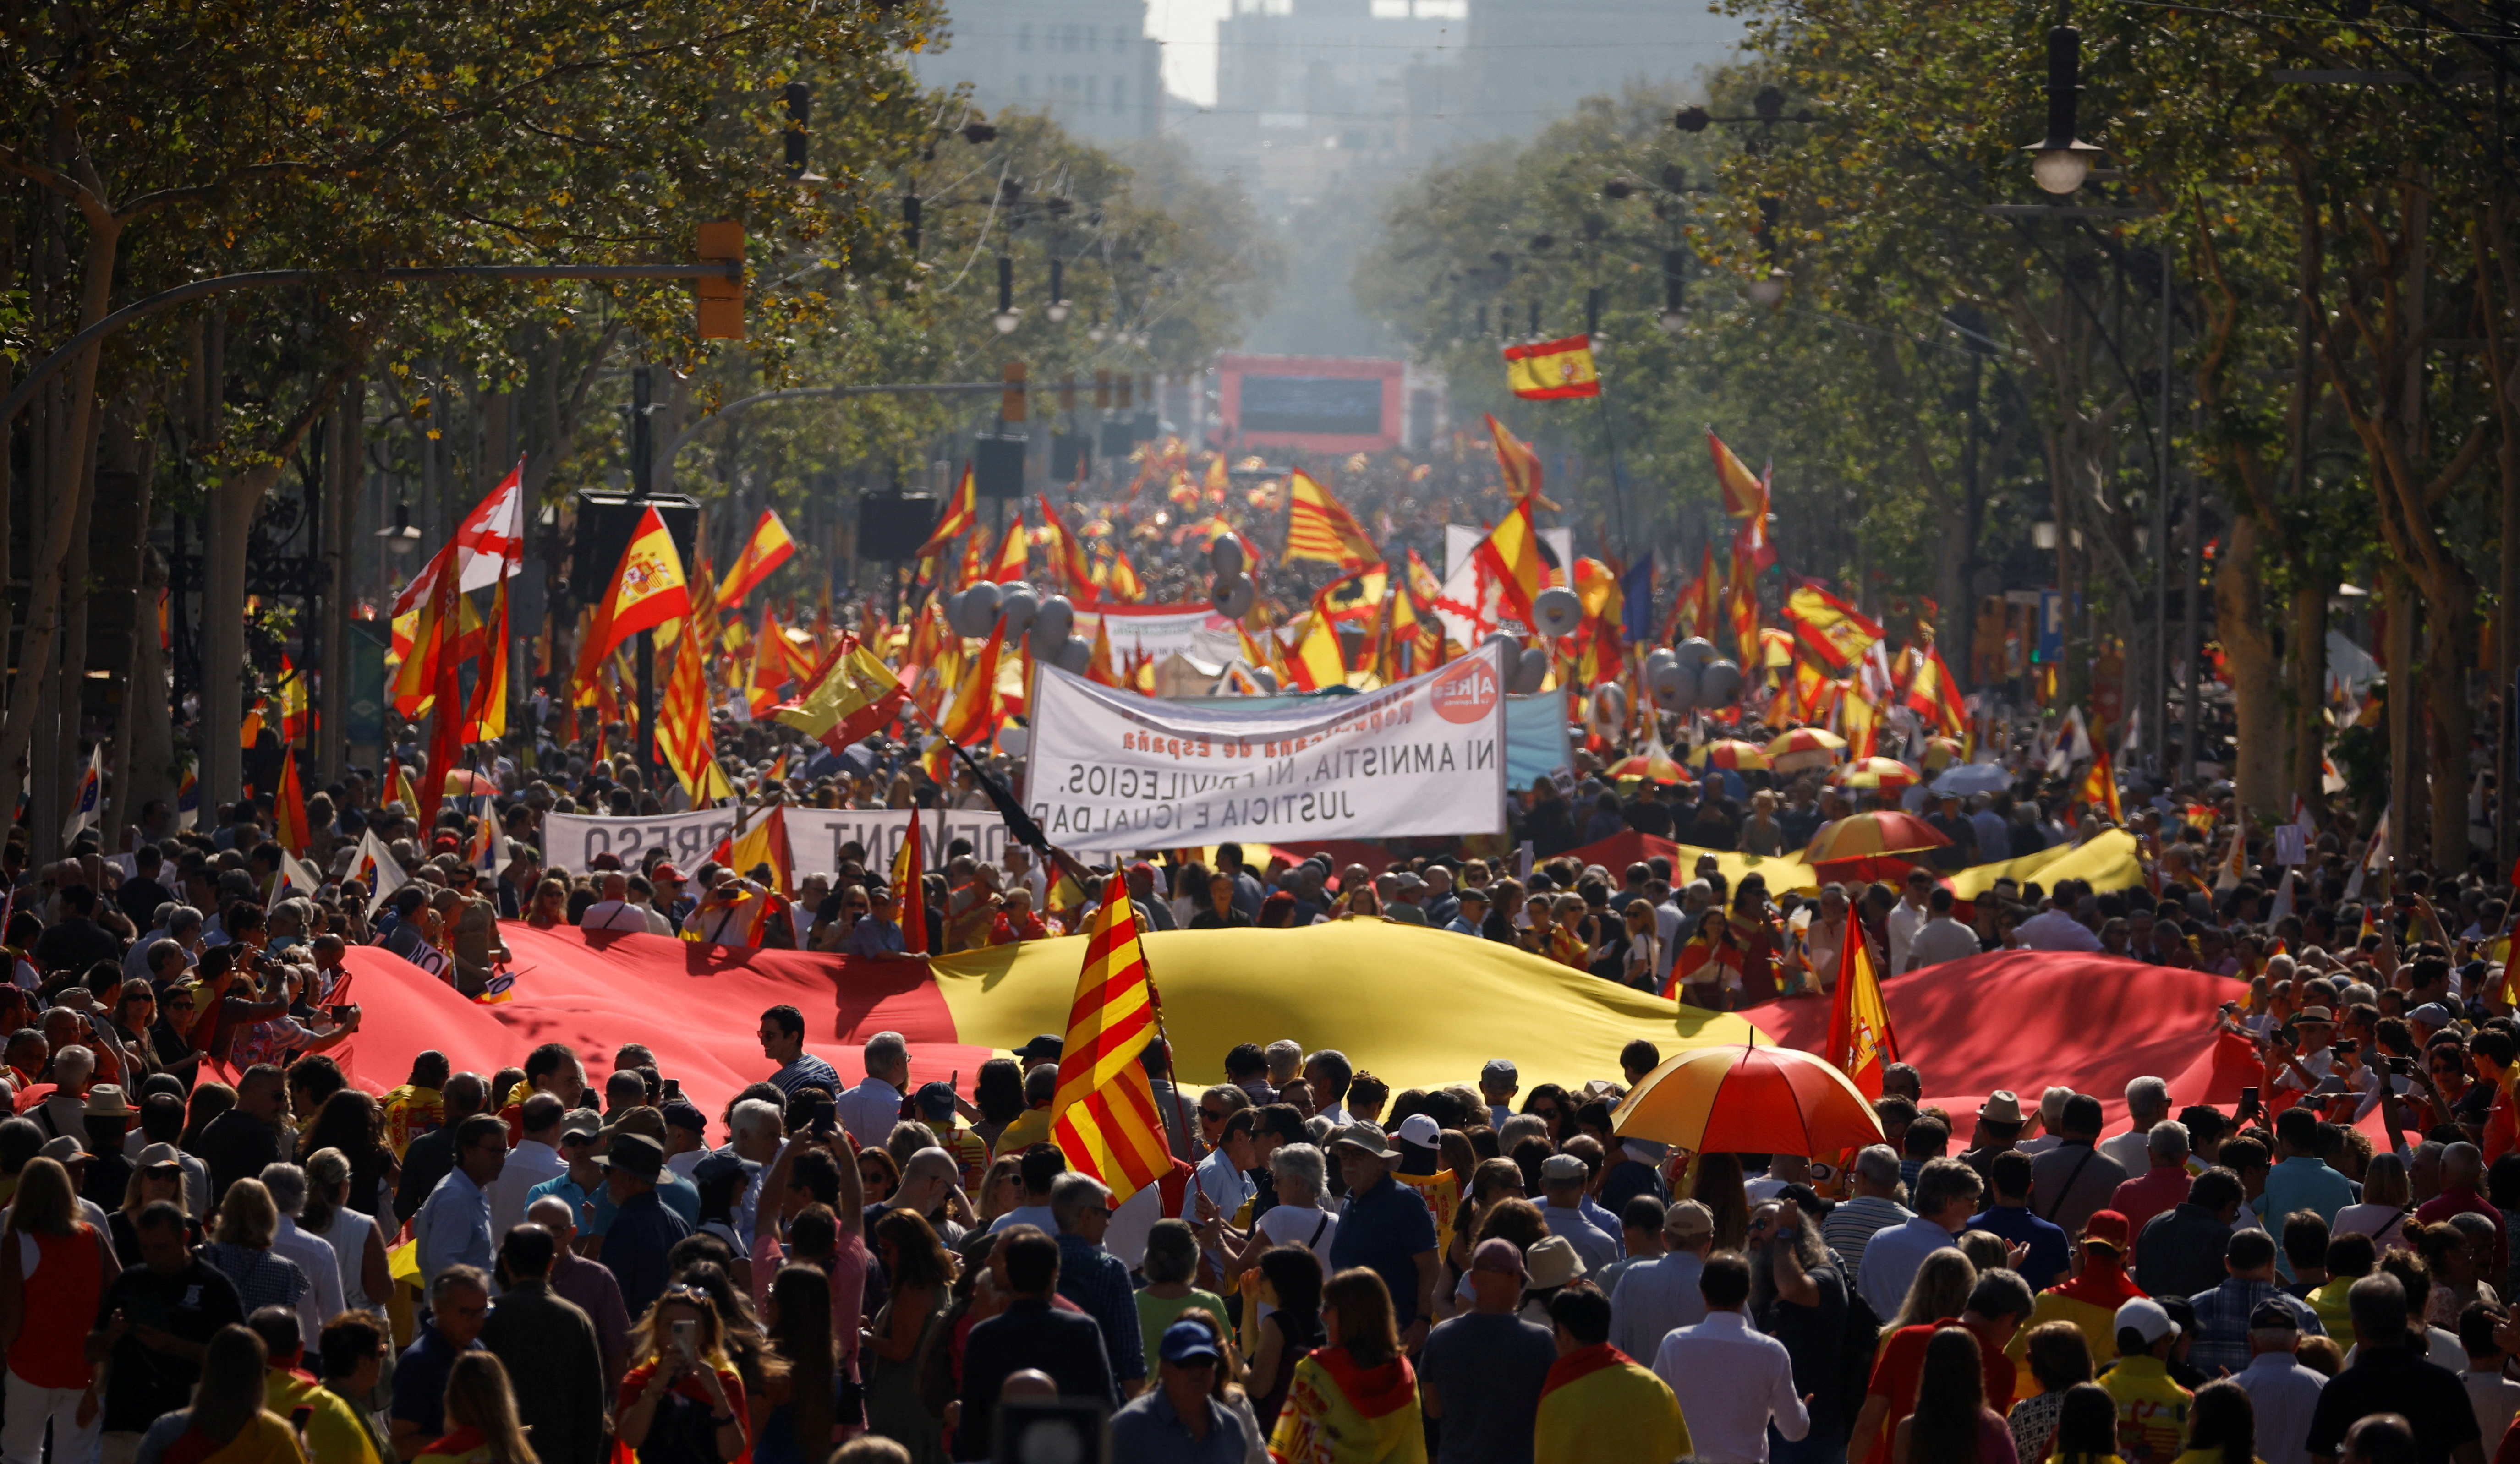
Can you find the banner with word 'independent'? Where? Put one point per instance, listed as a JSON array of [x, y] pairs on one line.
[[1111, 770]]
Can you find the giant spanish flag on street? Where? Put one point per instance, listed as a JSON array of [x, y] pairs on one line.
[[1103, 1118]]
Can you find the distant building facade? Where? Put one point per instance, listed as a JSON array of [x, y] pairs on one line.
[[1088, 63]]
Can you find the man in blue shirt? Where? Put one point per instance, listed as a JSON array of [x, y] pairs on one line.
[[1180, 1421], [1093, 1278], [783, 1041], [459, 1302], [877, 935], [643, 1230], [1385, 1227], [2300, 1179], [1470, 913], [2007, 1176]]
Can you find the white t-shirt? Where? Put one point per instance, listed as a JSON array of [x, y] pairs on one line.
[[1294, 1224], [624, 915]]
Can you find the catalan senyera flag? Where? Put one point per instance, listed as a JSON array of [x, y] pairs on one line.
[[1741, 610], [770, 547], [908, 863], [1744, 496], [1103, 1118], [288, 806], [1860, 1039], [1835, 634], [1932, 693], [1547, 370], [962, 515], [684, 737], [648, 589], [1520, 465], [850, 694], [1319, 527], [1512, 553]]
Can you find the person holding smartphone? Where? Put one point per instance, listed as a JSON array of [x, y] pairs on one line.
[[682, 1402]]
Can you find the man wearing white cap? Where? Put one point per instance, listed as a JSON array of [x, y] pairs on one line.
[[1654, 1297], [2150, 1406]]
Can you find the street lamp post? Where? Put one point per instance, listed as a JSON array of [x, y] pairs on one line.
[[2060, 161]]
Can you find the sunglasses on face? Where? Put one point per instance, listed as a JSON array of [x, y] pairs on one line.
[[1212, 1115]]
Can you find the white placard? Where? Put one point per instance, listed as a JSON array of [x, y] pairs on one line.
[[2292, 847], [814, 836], [1112, 770]]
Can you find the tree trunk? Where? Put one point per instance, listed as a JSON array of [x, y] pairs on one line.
[[124, 453], [2449, 614], [343, 459], [2306, 658], [2406, 794], [68, 491], [2257, 684]]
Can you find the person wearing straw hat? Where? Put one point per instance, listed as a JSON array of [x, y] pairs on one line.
[[1385, 1227]]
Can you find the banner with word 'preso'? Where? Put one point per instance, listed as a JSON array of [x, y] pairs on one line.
[[816, 836], [1110, 770]]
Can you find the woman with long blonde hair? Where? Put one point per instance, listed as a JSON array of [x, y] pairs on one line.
[[240, 1249], [682, 1400], [54, 1267], [1354, 1400], [227, 1423], [481, 1416], [1941, 1289]]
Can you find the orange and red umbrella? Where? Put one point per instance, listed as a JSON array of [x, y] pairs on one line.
[[1867, 834], [1804, 747], [1728, 752], [1653, 764], [1748, 1100]]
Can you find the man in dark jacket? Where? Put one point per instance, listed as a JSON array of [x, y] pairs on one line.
[[540, 1336], [432, 1154], [1031, 1334]]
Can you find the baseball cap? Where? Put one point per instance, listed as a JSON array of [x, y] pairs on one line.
[[1421, 1129], [1189, 1342], [936, 1100], [2147, 1319], [2273, 1317], [1042, 1048], [2109, 1228], [683, 1116], [1687, 1220], [1498, 1069], [664, 872], [2432, 1014], [1368, 1137], [590, 1123], [1557, 1168], [1497, 1254], [717, 1167]]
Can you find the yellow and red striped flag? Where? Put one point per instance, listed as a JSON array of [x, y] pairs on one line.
[[2100, 788], [1103, 1118], [962, 515], [1547, 370], [909, 864], [1320, 527], [1015, 551], [1744, 494], [1120, 582], [1520, 465], [764, 843], [1860, 1043], [685, 738], [1512, 555], [849, 695], [770, 547], [288, 806]]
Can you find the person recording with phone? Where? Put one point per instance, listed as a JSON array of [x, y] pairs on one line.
[[682, 1402]]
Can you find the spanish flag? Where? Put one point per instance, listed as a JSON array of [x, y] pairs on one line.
[[2100, 788], [1066, 554], [1741, 608], [1519, 464], [1692, 609], [1745, 496], [908, 867], [1860, 1039], [487, 719], [770, 547], [962, 515], [648, 589], [764, 843], [1317, 662], [1103, 1116], [851, 694], [1513, 555], [1321, 528], [1835, 633], [1101, 671], [1015, 552], [289, 805], [1932, 693], [1547, 370], [974, 715], [1120, 582]]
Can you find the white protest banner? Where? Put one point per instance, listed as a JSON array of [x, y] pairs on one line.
[[1156, 631], [814, 836], [1110, 771]]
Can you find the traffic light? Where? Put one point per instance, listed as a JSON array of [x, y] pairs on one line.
[[721, 301]]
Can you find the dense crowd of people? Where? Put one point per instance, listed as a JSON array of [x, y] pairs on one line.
[[532, 1264]]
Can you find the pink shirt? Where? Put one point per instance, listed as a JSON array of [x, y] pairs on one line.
[[848, 1287]]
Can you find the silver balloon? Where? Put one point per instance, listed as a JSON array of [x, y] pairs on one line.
[[1698, 652], [1530, 670], [1660, 655], [1673, 684], [1018, 604], [1557, 609], [1267, 679], [951, 606], [1610, 704], [1507, 647], [1071, 656], [1052, 621], [1234, 594], [1226, 554], [979, 610], [1720, 684]]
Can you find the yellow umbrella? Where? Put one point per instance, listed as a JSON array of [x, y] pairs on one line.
[[1804, 747], [1877, 772], [1748, 1100]]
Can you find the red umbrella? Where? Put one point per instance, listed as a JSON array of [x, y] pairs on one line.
[[1748, 1100]]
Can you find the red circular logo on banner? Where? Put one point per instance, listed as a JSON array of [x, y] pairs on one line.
[[1467, 693]]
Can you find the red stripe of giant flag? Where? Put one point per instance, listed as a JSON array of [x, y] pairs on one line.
[[1103, 1118]]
